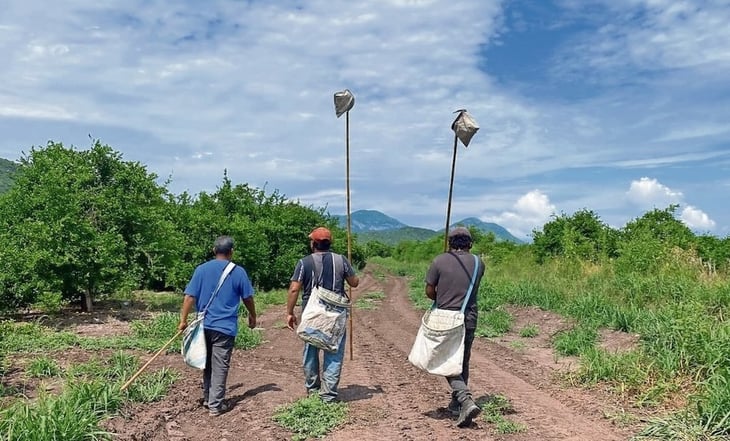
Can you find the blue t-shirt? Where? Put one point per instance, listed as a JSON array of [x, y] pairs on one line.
[[222, 315]]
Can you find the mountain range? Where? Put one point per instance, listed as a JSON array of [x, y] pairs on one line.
[[374, 225]]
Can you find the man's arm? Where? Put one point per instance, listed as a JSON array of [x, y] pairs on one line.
[[251, 307], [430, 291], [353, 281], [291, 301], [187, 307]]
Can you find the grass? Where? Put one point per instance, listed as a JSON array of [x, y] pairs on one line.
[[530, 331], [43, 367], [575, 341], [493, 323], [494, 410], [310, 417], [370, 300]]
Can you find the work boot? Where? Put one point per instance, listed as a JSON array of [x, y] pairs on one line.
[[454, 407], [469, 411], [224, 407]]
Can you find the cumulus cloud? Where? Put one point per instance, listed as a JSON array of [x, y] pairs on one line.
[[532, 210], [650, 193], [696, 219]]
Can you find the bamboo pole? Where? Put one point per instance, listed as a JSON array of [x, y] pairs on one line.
[[134, 377], [349, 222], [451, 189]]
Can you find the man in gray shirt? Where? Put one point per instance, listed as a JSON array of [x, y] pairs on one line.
[[447, 282]]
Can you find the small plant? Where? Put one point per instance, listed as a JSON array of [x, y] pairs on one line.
[[152, 387], [517, 345], [310, 417], [370, 300], [529, 331], [494, 409], [43, 367]]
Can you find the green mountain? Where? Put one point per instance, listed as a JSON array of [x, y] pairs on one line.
[[369, 220], [499, 231], [373, 225], [7, 170]]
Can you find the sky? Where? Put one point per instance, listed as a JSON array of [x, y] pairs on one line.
[[616, 106]]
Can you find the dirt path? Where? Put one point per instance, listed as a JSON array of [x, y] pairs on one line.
[[389, 399]]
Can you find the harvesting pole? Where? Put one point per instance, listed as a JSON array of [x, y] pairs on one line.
[[464, 127], [344, 101]]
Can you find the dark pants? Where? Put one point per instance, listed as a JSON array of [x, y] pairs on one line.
[[215, 375], [459, 389]]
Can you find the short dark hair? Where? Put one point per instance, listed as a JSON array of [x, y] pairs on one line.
[[322, 245], [460, 242], [223, 245]]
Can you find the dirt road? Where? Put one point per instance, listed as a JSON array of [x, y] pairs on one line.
[[389, 399]]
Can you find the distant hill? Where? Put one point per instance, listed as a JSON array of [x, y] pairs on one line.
[[370, 220], [7, 170], [499, 231], [374, 225]]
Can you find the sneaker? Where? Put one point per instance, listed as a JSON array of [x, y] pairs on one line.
[[203, 402], [454, 407], [469, 411], [219, 411]]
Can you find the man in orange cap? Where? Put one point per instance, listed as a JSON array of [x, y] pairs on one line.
[[332, 270]]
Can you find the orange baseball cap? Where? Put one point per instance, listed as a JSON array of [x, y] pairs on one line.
[[320, 234]]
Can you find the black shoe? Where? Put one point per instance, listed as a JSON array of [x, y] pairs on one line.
[[219, 411], [469, 411], [454, 408]]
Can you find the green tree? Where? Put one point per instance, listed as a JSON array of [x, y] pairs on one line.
[[81, 223], [582, 235]]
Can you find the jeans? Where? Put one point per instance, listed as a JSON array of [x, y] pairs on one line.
[[459, 389], [327, 384], [215, 375]]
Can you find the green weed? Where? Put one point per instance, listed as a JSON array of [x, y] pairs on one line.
[[493, 323], [43, 367], [529, 331], [310, 417], [575, 341], [369, 300], [494, 410]]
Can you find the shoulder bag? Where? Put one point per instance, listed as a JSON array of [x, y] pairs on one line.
[[439, 345]]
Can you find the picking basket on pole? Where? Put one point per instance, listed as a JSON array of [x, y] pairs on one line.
[[464, 127], [344, 101]]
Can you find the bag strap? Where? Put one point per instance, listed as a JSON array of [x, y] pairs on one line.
[[471, 285], [226, 271]]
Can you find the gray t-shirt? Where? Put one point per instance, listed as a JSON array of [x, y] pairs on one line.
[[451, 274], [332, 268]]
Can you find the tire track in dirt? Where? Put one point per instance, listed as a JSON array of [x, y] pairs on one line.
[[389, 399]]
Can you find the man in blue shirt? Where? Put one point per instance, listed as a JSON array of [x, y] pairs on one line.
[[221, 318], [333, 270]]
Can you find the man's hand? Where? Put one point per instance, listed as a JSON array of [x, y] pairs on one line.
[[251, 321], [291, 321], [183, 324]]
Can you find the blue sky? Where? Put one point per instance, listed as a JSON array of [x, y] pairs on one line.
[[618, 106]]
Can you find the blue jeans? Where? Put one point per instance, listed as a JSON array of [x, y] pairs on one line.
[[326, 385]]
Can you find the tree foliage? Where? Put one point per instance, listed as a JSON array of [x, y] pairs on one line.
[[85, 223], [581, 235]]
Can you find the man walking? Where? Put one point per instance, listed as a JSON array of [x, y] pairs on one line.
[[221, 318], [447, 282], [333, 270]]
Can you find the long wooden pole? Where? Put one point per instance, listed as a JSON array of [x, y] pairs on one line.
[[134, 377], [451, 190], [349, 223]]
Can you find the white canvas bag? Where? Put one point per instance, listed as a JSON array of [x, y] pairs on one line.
[[439, 345], [324, 319], [194, 350]]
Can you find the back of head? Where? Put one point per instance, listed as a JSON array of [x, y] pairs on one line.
[[460, 239], [223, 245], [321, 238]]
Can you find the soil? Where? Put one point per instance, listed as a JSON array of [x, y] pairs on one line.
[[388, 398]]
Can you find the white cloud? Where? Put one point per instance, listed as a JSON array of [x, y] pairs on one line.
[[532, 210], [650, 193], [697, 219]]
